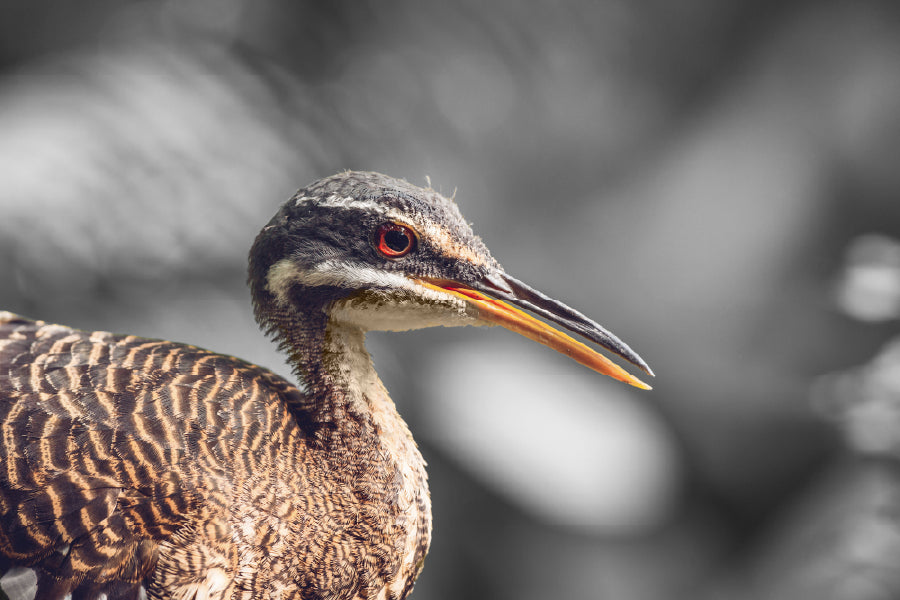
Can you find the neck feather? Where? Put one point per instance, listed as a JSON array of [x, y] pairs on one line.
[[345, 395]]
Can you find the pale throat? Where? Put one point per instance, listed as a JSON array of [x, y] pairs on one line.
[[349, 365], [350, 368]]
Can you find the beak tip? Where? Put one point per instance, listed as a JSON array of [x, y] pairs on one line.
[[632, 357], [642, 386], [630, 379]]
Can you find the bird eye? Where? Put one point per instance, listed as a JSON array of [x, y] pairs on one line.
[[393, 240]]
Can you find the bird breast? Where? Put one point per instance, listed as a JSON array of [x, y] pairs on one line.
[[373, 470]]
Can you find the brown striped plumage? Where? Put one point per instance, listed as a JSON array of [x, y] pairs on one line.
[[132, 467], [125, 457]]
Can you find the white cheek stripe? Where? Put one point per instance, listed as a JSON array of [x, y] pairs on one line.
[[284, 274], [423, 307]]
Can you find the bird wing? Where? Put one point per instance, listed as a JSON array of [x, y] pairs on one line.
[[110, 447]]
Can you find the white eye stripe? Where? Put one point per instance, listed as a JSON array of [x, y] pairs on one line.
[[388, 213], [369, 206]]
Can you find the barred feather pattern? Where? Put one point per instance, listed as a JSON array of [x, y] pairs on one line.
[[132, 467]]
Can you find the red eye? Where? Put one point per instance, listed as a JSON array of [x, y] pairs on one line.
[[394, 240]]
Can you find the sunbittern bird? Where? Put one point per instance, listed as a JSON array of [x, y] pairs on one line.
[[134, 468]]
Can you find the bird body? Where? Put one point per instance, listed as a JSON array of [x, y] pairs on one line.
[[150, 452], [132, 467]]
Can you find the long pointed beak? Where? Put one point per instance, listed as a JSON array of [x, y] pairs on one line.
[[493, 298]]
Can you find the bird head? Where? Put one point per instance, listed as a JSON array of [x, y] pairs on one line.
[[378, 253]]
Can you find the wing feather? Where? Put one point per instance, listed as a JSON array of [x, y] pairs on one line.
[[108, 445]]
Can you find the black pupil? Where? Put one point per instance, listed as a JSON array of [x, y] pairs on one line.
[[396, 240]]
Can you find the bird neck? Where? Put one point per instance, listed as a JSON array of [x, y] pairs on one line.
[[347, 374], [354, 429], [346, 398]]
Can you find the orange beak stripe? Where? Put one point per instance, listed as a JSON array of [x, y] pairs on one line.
[[500, 313]]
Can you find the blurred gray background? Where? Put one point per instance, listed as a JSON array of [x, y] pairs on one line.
[[718, 182]]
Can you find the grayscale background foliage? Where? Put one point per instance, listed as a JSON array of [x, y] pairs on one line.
[[718, 182]]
